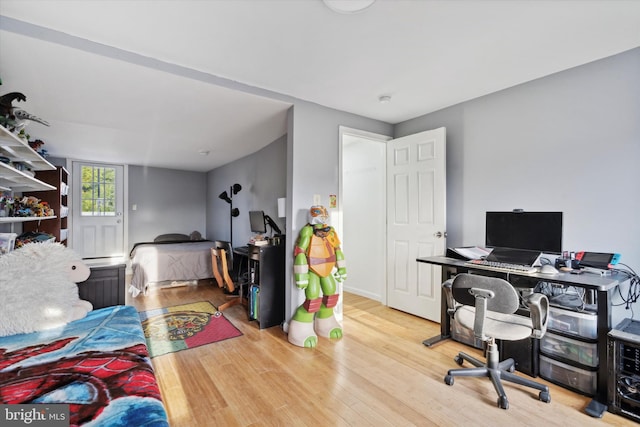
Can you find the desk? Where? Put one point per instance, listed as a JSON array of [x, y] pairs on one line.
[[603, 286], [265, 268]]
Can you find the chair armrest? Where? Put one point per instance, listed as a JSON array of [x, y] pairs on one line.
[[539, 307], [448, 294]]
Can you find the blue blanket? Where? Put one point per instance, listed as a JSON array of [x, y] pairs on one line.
[[98, 365]]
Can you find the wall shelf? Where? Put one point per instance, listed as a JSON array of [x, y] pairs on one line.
[[18, 150], [9, 219], [19, 181]]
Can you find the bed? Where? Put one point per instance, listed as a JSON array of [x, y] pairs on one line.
[[169, 257], [99, 365]]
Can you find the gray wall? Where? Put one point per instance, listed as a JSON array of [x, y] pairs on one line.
[[568, 142], [263, 177], [167, 200], [307, 166]]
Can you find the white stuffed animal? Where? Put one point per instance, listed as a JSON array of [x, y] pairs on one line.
[[38, 288]]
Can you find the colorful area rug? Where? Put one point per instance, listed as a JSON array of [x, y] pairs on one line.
[[181, 327]]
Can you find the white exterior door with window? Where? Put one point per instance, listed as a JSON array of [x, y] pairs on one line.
[[416, 221], [98, 203]]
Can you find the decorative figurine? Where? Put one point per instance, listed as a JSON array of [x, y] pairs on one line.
[[6, 102], [319, 264], [14, 118]]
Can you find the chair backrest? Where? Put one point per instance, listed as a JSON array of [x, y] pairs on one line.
[[221, 244], [222, 256], [505, 298], [485, 294]]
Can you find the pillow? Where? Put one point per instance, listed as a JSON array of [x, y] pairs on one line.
[[172, 237], [195, 235]]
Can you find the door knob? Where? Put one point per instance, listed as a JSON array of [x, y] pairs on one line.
[[440, 234]]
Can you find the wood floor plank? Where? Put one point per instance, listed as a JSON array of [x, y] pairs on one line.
[[378, 374]]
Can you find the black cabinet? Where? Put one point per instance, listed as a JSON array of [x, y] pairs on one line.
[[266, 284], [104, 287]]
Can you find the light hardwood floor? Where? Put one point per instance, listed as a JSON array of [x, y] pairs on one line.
[[378, 374]]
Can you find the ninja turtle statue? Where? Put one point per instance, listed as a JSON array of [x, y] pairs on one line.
[[319, 264]]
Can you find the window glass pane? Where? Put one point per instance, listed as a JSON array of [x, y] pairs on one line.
[[98, 191], [110, 176]]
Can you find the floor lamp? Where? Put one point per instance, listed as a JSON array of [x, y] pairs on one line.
[[233, 212]]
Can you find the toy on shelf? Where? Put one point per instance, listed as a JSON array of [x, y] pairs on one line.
[[25, 206], [319, 264], [14, 118], [33, 237]]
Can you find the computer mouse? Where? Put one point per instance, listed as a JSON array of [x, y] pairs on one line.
[[548, 269]]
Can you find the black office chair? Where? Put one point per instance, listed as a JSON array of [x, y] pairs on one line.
[[223, 270], [487, 305]]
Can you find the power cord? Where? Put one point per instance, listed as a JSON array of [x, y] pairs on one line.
[[568, 297], [633, 293]]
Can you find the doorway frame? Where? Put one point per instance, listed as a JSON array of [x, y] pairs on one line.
[[374, 137]]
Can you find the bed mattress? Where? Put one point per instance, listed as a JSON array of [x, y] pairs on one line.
[[159, 262]]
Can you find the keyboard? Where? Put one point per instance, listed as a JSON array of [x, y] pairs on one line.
[[241, 250], [502, 266]]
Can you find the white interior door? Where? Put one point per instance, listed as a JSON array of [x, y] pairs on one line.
[[416, 221], [98, 202]]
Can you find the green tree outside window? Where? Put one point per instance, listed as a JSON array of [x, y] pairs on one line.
[[98, 191]]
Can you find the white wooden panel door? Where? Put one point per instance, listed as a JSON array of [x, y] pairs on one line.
[[98, 201], [416, 221]]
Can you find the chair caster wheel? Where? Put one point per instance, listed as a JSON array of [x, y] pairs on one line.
[[448, 380], [512, 369], [544, 396], [503, 402], [459, 360]]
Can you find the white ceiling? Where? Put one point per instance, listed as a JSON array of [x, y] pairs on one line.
[[152, 82]]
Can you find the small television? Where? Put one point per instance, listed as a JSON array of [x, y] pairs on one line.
[[257, 222], [537, 231]]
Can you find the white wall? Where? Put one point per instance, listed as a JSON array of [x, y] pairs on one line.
[[568, 142], [364, 212]]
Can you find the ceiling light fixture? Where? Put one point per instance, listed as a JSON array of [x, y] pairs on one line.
[[203, 152], [348, 6], [384, 99]]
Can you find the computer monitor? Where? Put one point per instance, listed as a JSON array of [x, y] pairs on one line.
[[257, 222], [537, 231]]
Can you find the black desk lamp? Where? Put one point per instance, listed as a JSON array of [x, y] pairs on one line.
[[233, 212]]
